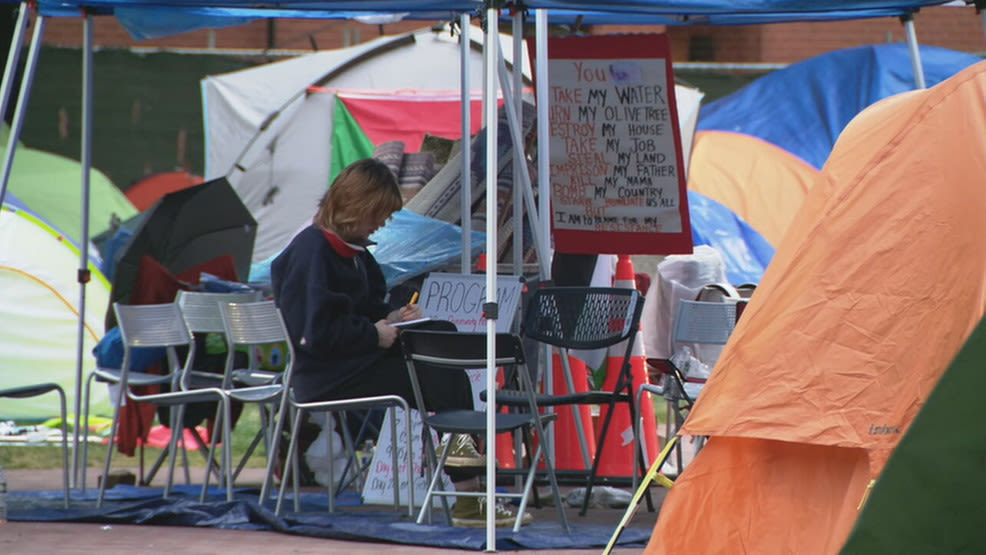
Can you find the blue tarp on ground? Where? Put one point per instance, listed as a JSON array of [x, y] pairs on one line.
[[144, 506]]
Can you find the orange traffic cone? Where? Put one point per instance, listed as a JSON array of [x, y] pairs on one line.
[[568, 445], [617, 451], [505, 454]]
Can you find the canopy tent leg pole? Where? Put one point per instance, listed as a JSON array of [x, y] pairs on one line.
[[517, 139], [83, 276], [543, 133], [491, 50], [912, 49], [465, 181], [519, 159], [9, 71], [543, 221], [25, 92]]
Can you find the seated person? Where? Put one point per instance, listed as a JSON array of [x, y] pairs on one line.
[[331, 292]]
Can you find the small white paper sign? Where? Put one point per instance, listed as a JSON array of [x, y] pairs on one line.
[[379, 486]]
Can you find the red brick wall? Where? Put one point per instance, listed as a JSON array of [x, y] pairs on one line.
[[954, 28], [291, 34]]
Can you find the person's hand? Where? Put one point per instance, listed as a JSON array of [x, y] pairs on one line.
[[410, 312], [386, 334]]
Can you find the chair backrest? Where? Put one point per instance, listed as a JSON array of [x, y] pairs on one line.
[[704, 322], [153, 325], [257, 323], [201, 308], [583, 317], [455, 350], [451, 349]]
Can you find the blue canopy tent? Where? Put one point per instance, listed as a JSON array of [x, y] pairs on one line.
[[141, 18]]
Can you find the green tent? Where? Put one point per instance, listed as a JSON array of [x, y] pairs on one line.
[[929, 498], [51, 186]]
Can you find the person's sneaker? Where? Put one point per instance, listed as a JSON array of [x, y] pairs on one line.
[[463, 453], [470, 512]]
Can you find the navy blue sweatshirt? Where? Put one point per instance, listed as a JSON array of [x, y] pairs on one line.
[[330, 296]]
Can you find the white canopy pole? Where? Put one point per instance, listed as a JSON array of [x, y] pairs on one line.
[[83, 275], [465, 192], [523, 179], [543, 133], [912, 48], [491, 51], [519, 159], [25, 92], [13, 60]]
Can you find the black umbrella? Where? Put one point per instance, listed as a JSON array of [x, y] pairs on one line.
[[188, 228]]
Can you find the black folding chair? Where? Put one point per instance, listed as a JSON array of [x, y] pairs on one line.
[[584, 318], [461, 351]]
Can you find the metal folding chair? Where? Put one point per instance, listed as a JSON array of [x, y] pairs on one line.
[[461, 351], [298, 411], [252, 325], [35, 390], [162, 325], [696, 323], [202, 314]]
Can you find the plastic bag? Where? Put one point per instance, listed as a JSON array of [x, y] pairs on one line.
[[317, 455], [691, 367]]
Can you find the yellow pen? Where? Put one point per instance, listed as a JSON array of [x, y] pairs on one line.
[[414, 299]]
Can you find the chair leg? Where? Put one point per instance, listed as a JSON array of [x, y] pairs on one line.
[[216, 431], [109, 453], [435, 477], [85, 434], [227, 446], [65, 467], [599, 450], [288, 466], [175, 415], [274, 446], [550, 467]]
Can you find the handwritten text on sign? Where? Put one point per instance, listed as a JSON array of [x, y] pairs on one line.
[[613, 157]]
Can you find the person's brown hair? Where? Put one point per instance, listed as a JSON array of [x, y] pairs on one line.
[[365, 187]]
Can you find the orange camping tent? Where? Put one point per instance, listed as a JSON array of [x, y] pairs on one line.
[[144, 193], [871, 294], [763, 184]]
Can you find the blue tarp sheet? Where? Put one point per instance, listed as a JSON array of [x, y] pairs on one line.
[[144, 506], [409, 245], [804, 107], [745, 252]]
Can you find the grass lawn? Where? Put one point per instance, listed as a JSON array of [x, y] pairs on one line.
[[49, 455]]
